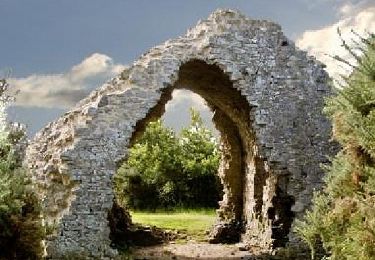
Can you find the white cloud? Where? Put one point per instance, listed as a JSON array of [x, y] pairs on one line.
[[181, 97], [64, 90], [177, 113], [325, 42]]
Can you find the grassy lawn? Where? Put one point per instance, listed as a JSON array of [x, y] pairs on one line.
[[193, 223]]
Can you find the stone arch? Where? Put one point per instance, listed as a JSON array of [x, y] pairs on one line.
[[267, 98], [232, 119]]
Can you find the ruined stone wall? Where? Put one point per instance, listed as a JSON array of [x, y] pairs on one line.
[[267, 98]]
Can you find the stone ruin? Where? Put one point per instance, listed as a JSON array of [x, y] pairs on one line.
[[267, 98]]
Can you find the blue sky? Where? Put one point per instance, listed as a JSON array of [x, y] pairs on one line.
[[44, 42], [49, 36]]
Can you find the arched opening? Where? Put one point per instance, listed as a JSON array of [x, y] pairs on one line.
[[239, 165], [169, 182]]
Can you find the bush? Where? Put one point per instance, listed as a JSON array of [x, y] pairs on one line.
[[21, 232], [343, 215]]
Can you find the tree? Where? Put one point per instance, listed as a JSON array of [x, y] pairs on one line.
[[147, 176], [164, 170], [343, 214], [200, 162], [21, 231]]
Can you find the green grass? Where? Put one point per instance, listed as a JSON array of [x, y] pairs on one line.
[[193, 223]]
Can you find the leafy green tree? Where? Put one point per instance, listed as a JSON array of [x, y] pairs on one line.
[[21, 232], [156, 154], [164, 170], [200, 162], [343, 215], [151, 167]]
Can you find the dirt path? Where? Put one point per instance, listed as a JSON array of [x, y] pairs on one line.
[[194, 250]]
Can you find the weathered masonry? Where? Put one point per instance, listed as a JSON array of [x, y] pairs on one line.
[[267, 98]]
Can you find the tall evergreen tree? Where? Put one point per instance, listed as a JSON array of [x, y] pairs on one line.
[[21, 232], [343, 215]]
